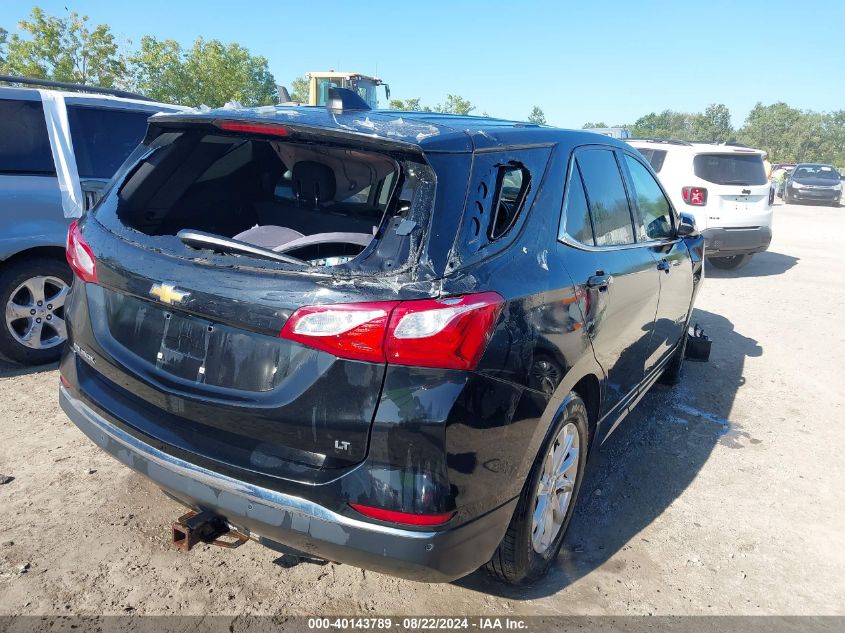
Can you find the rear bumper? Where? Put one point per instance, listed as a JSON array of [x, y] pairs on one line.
[[722, 242], [430, 556]]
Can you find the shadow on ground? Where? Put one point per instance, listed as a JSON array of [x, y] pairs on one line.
[[647, 462], [764, 264], [9, 369]]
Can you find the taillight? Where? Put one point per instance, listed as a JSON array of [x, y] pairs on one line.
[[79, 254], [348, 330], [273, 129], [447, 333], [695, 196], [407, 518], [771, 196]]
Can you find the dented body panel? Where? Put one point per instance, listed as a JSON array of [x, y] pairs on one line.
[[284, 437]]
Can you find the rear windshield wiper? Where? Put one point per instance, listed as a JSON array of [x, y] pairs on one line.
[[737, 182], [220, 244]]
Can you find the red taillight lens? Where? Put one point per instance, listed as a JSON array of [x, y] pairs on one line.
[[695, 196], [447, 333], [253, 128], [79, 255], [64, 382], [402, 517], [348, 330]]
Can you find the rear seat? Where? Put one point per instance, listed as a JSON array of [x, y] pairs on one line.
[[314, 215]]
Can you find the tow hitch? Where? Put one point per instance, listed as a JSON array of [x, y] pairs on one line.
[[698, 344], [205, 527]]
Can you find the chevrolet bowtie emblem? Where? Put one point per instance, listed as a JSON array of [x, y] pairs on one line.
[[167, 293]]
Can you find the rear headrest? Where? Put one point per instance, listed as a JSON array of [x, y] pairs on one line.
[[313, 183]]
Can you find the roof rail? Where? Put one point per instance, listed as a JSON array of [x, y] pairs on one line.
[[48, 83], [669, 141]]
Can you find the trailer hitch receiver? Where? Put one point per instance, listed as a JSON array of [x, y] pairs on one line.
[[205, 527]]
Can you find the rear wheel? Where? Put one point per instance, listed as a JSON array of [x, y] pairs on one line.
[[32, 295], [547, 502], [731, 262]]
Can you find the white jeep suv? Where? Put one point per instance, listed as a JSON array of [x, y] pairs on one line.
[[724, 187]]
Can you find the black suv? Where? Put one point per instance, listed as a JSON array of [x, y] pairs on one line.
[[386, 339]]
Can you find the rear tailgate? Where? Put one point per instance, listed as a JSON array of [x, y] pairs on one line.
[[738, 192], [208, 373]]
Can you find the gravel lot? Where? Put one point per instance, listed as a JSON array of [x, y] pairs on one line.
[[722, 496]]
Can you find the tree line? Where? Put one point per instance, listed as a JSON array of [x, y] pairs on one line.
[[787, 134], [69, 48]]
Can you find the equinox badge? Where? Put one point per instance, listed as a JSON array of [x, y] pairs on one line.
[[167, 293]]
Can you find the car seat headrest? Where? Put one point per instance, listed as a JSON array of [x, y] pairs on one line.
[[313, 183]]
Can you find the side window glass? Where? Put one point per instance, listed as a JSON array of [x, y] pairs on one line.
[[511, 189], [103, 138], [24, 144], [576, 213], [655, 211], [606, 195]]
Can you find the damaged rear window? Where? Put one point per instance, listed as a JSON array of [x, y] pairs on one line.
[[275, 202]]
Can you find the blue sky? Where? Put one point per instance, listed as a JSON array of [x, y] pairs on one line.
[[580, 61]]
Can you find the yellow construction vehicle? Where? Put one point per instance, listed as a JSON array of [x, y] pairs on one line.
[[320, 82]]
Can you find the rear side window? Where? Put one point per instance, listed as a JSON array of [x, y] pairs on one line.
[[730, 169], [24, 144], [654, 208], [511, 189], [606, 197], [578, 225], [655, 157], [103, 138]]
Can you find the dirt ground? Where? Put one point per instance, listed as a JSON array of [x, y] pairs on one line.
[[721, 496]]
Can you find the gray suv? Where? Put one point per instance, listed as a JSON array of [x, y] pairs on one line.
[[57, 152]]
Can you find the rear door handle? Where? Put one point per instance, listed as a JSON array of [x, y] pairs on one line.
[[600, 280]]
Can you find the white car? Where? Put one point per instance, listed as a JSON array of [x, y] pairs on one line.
[[724, 187]]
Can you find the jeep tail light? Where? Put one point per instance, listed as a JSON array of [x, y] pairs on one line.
[[448, 333], [771, 196], [695, 196], [79, 254], [408, 518]]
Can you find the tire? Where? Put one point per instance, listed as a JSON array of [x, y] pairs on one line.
[[20, 285], [674, 370], [786, 198], [517, 559], [732, 262]]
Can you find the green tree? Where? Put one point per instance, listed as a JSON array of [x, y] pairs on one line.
[[157, 71], [210, 73], [713, 125], [772, 128], [454, 105], [410, 105], [4, 48], [64, 49], [299, 90], [537, 116], [590, 125]]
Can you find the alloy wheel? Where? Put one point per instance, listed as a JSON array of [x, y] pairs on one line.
[[35, 312], [555, 488]]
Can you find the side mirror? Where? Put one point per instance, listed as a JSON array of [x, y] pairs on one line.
[[686, 227]]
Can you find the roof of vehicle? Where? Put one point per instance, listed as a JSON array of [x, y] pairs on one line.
[[815, 165], [693, 147], [427, 131], [85, 98]]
